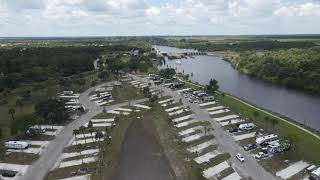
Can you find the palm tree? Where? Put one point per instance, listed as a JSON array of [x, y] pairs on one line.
[[75, 133], [82, 129], [99, 135], [12, 112], [91, 130]]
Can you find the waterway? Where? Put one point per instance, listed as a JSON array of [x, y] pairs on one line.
[[300, 106]]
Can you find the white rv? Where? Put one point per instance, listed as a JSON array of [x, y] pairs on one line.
[[315, 175], [16, 145], [266, 139], [246, 126]]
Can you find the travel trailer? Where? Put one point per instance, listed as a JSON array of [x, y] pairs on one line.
[[266, 139], [16, 145]]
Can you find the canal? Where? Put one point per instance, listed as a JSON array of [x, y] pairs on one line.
[[297, 105]]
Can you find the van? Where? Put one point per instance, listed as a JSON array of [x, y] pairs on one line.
[[16, 145]]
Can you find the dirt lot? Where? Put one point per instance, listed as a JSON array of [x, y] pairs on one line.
[[141, 157]]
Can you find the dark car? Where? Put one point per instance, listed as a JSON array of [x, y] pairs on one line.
[[233, 130], [8, 173], [250, 146]]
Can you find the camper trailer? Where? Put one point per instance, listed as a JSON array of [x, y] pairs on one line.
[[16, 145], [266, 139]]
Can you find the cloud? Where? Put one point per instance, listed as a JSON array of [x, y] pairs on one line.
[[144, 17]]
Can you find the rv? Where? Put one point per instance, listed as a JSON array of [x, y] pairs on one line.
[[207, 98], [246, 126], [266, 139], [16, 145], [315, 175], [277, 147]]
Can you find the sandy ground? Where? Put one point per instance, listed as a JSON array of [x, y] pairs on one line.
[[244, 136], [77, 162], [215, 108], [224, 118], [190, 130], [183, 118], [75, 154], [142, 106], [233, 176], [102, 120], [186, 123], [233, 121], [212, 171], [292, 169], [124, 109], [192, 138], [206, 157], [178, 112], [198, 148], [219, 111], [165, 101], [207, 104], [84, 177], [141, 157], [174, 108]]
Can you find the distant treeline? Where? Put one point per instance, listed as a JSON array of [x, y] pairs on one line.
[[34, 64], [237, 45], [298, 68], [25, 65]]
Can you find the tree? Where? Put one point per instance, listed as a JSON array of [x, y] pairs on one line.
[[212, 87], [99, 135], [146, 92], [55, 106], [167, 73], [12, 112], [91, 131], [51, 117]]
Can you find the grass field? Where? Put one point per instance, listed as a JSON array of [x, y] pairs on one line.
[[304, 145]]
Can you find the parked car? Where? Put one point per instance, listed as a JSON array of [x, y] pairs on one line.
[[233, 130], [240, 157], [247, 126], [261, 155], [250, 146], [8, 173]]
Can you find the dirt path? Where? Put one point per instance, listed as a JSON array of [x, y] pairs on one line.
[[141, 157]]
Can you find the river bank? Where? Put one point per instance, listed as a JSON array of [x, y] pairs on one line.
[[306, 143]]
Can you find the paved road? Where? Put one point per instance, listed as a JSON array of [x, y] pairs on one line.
[[51, 154], [250, 168]]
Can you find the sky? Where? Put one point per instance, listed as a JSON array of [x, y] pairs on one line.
[[39, 18]]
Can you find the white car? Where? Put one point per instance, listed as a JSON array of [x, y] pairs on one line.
[[240, 157], [261, 155]]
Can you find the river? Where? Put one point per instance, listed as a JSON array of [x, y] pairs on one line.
[[297, 105]]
